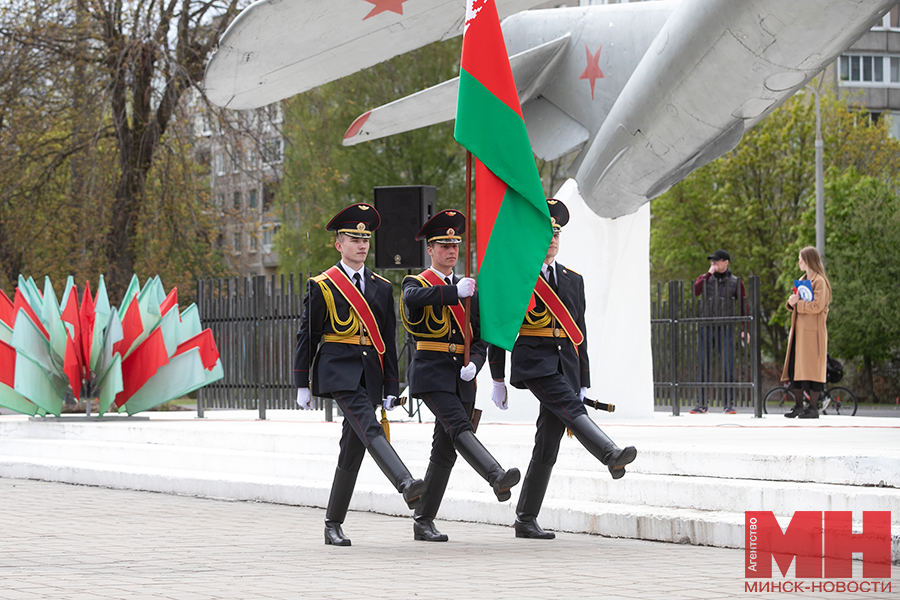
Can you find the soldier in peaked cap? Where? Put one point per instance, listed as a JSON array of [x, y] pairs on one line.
[[432, 312], [550, 358], [349, 328]]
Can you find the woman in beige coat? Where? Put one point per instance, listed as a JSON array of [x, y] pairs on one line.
[[805, 364]]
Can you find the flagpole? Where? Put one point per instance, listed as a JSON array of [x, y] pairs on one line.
[[468, 342]]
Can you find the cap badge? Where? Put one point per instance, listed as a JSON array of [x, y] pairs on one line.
[[361, 227], [552, 201], [451, 213], [451, 231], [553, 220], [363, 207]]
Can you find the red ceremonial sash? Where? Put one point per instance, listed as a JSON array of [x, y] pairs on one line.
[[459, 313], [359, 304], [559, 310]]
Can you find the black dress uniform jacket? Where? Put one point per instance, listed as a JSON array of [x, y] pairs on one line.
[[439, 371], [543, 356], [340, 367]]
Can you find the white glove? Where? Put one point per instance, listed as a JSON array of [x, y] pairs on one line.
[[582, 394], [465, 287], [304, 399], [388, 403], [467, 373], [498, 395]]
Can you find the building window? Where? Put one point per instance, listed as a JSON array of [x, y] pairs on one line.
[[895, 69], [269, 234], [253, 242], [237, 199], [253, 200], [271, 151], [220, 164], [235, 161], [237, 243], [273, 113], [864, 68], [220, 200], [268, 196]]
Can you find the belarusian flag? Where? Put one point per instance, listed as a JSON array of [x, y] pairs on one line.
[[513, 224]]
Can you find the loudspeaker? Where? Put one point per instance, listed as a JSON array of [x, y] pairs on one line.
[[403, 209]]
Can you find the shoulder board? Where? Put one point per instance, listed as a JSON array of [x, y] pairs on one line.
[[319, 278], [571, 270], [381, 278]]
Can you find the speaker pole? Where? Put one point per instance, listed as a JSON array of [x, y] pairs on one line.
[[468, 252]]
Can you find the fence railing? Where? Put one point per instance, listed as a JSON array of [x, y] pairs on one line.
[[699, 353], [254, 322], [706, 350]]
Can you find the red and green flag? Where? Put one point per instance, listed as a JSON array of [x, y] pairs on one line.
[[513, 225]]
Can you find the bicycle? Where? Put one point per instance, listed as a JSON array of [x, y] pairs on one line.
[[839, 399]]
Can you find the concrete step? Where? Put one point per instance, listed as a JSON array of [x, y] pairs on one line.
[[589, 481], [688, 484], [865, 468]]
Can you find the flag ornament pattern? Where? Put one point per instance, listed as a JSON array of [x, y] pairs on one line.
[[131, 359], [513, 225]]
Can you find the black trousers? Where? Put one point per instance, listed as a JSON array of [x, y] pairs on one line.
[[452, 416], [359, 428], [560, 405]]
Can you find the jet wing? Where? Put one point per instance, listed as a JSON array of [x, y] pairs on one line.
[[715, 69], [275, 49], [531, 71]]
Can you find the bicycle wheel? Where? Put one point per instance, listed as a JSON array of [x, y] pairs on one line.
[[778, 401], [842, 400]]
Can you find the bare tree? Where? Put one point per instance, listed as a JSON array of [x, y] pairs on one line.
[[151, 52]]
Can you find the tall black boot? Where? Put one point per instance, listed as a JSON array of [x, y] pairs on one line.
[[390, 464], [603, 448], [530, 500], [486, 465], [436, 479], [341, 492]]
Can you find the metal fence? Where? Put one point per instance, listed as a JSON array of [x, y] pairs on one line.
[[254, 322], [706, 351]]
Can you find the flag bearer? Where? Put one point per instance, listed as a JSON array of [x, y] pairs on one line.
[[433, 313]]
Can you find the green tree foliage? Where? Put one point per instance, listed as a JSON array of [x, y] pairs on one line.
[[751, 201], [321, 176]]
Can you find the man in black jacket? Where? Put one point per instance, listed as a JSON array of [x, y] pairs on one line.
[[349, 327], [550, 358], [433, 314], [722, 294]]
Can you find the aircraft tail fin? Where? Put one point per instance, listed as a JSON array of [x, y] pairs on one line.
[[532, 70]]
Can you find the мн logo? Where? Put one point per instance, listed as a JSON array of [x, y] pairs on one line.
[[822, 542]]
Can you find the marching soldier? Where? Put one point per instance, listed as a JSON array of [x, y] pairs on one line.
[[349, 327], [550, 358], [432, 312]]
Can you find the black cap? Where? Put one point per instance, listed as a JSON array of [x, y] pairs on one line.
[[719, 255], [559, 214], [446, 227], [357, 220]]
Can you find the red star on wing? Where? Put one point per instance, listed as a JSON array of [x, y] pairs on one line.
[[385, 5], [592, 71]]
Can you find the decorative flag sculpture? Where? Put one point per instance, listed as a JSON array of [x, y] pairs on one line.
[[131, 359], [513, 223]]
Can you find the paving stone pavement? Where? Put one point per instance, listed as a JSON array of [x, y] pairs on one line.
[[70, 542]]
